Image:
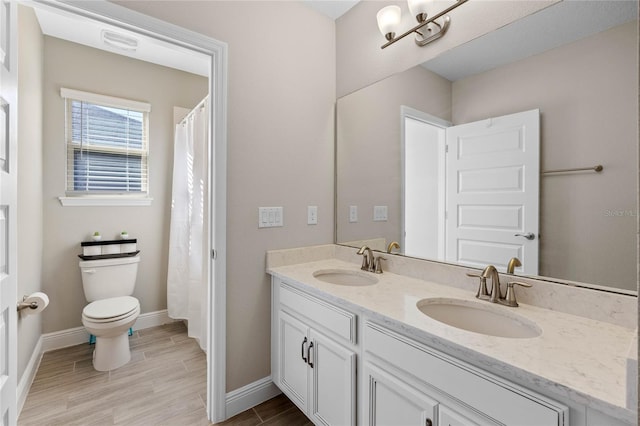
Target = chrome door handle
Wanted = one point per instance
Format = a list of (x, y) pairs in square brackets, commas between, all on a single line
[(304, 342), (309, 354), (528, 235)]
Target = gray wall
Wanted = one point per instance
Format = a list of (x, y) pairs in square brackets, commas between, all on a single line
[(587, 95), (30, 160), (78, 67), (280, 148), (369, 148)]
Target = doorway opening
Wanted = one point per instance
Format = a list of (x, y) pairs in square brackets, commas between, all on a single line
[(213, 55)]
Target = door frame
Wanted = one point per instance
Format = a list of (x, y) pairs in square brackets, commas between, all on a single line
[(414, 114), (113, 14)]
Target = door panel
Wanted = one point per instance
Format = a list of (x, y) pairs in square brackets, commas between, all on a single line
[(493, 176)]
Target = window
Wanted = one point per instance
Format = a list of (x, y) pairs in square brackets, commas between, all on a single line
[(107, 145)]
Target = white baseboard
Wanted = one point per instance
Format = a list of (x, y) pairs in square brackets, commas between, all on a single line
[(153, 319), (75, 336), (29, 374), (250, 395)]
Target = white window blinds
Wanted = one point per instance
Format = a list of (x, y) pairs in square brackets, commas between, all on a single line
[(107, 144)]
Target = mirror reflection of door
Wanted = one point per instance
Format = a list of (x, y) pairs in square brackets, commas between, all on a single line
[(486, 186), (423, 209), (493, 180)]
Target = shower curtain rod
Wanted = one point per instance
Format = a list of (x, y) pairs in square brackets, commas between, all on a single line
[(199, 105)]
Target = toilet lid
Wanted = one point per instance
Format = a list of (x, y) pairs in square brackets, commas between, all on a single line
[(110, 308)]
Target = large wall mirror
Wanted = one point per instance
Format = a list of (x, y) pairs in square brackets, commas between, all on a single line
[(575, 65)]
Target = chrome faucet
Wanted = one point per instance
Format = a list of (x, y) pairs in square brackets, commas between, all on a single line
[(392, 245), (513, 263), (368, 260), (495, 295), (491, 272), (370, 263)]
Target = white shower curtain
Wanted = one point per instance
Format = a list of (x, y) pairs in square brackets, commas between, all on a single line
[(187, 269)]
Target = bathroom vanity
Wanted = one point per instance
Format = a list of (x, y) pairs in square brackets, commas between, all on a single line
[(352, 347)]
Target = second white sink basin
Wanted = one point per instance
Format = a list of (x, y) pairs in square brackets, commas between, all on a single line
[(345, 277), (479, 317)]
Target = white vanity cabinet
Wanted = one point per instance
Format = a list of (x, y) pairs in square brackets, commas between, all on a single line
[(392, 402), (410, 381), (311, 359)]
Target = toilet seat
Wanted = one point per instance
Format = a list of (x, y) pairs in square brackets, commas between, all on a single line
[(111, 309)]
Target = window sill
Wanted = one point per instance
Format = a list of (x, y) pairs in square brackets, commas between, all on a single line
[(104, 201)]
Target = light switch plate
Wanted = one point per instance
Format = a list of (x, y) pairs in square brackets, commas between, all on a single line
[(312, 215), (380, 213), (353, 214), (270, 217)]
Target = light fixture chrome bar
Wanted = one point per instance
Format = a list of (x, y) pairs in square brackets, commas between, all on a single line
[(422, 24), (597, 168), (442, 30)]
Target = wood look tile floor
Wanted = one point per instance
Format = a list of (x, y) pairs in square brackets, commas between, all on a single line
[(163, 384)]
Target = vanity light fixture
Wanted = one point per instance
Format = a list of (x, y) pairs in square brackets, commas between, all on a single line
[(427, 30), (119, 41)]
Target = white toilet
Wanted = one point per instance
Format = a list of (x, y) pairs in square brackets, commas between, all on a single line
[(108, 285)]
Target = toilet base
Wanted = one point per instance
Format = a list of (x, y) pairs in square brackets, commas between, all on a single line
[(92, 338), (111, 352)]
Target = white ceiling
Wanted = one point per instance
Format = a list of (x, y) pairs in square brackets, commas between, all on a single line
[(332, 8), (84, 31), (559, 24)]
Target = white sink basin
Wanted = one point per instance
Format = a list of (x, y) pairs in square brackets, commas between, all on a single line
[(345, 277), (479, 317)]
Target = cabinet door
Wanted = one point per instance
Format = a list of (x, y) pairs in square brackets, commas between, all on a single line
[(334, 382), (394, 403), (293, 348), (448, 416)]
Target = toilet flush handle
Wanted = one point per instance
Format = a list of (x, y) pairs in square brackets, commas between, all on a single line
[(90, 271)]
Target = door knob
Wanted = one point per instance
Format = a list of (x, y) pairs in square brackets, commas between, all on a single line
[(528, 235)]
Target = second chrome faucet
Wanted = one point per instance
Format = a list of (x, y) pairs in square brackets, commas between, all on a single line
[(495, 295)]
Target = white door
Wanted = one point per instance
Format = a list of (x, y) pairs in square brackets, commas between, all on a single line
[(493, 174), (294, 352), (394, 403), (333, 397), (8, 214)]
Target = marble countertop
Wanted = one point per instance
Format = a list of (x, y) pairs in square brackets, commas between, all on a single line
[(577, 358)]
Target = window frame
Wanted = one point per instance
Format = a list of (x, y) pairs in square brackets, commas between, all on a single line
[(96, 198)]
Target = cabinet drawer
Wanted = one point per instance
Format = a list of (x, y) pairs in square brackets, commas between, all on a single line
[(334, 320), (500, 400)]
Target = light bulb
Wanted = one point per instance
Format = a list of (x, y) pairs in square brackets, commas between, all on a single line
[(388, 20), (418, 9)]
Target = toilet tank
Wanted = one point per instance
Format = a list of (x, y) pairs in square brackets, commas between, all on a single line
[(105, 278)]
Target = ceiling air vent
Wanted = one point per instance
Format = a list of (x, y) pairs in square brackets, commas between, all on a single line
[(119, 41)]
